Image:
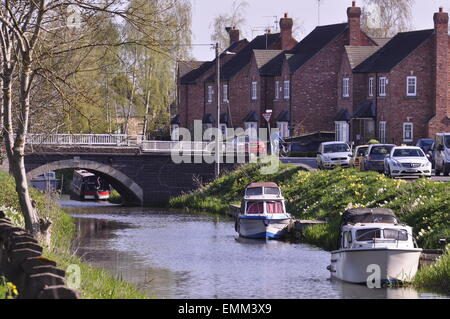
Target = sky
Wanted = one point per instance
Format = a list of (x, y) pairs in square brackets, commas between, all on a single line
[(261, 13)]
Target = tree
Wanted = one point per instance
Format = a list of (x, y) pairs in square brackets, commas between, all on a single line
[(385, 18), (52, 45), (234, 19)]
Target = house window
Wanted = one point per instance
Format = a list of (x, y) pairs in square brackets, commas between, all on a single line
[(287, 90), (277, 90), (225, 93), (175, 132), (382, 90), (346, 87), (411, 86), (283, 128), (408, 132), (251, 129), (382, 131), (254, 90), (342, 131), (371, 82), (210, 94)]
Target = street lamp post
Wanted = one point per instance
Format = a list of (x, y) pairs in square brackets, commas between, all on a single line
[(218, 135)]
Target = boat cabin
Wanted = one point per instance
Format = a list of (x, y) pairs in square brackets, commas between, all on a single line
[(263, 198), (373, 228)]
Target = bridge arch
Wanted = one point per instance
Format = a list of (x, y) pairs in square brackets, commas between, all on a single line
[(130, 191)]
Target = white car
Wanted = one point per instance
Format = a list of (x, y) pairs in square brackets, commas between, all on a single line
[(333, 154), (407, 161)]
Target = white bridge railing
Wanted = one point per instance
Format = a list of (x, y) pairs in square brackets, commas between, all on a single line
[(78, 139), (136, 141)]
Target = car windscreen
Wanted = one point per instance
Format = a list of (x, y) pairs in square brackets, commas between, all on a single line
[(368, 234), (447, 141), (361, 151), (404, 152), (336, 148), (380, 150), (426, 142), (401, 234)]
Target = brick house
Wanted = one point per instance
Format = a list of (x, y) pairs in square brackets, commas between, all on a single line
[(398, 92), (336, 79)]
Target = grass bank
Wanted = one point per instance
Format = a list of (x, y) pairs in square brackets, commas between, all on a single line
[(95, 283), (324, 195)]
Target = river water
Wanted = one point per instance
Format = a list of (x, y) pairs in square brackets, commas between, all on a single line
[(176, 255)]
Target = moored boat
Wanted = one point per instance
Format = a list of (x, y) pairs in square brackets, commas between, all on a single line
[(263, 213), (374, 246)]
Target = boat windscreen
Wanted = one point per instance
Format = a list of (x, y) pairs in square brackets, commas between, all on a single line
[(368, 234), (401, 234), (254, 191), (274, 207), (255, 207), (271, 191)]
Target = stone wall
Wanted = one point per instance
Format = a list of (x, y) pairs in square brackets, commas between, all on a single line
[(21, 262)]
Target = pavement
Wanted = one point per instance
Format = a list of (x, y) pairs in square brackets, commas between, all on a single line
[(311, 163)]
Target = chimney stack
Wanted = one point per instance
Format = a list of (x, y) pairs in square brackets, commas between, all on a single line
[(286, 24), (354, 24), (234, 34), (442, 107)]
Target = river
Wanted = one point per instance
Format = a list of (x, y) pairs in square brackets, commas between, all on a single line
[(176, 255)]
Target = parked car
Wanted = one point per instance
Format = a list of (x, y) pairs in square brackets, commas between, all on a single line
[(248, 144), (407, 161), (426, 144), (374, 159), (358, 155), (333, 154), (442, 154)]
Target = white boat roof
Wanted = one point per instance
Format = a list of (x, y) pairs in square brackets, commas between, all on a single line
[(265, 197), (375, 225)]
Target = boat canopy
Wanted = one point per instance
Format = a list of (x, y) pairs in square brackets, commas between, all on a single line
[(369, 215), (256, 189)]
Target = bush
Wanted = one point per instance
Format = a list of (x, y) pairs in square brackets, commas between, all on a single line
[(435, 276)]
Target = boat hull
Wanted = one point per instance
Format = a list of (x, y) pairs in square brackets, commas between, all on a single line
[(262, 227), (356, 265)]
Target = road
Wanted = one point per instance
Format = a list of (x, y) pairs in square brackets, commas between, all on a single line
[(311, 162)]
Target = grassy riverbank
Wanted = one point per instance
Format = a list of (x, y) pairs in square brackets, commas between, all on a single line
[(324, 195), (95, 283)]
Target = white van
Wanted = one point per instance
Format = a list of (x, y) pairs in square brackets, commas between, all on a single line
[(442, 154)]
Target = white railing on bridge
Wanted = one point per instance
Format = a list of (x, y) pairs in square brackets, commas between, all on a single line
[(124, 140), (79, 139)]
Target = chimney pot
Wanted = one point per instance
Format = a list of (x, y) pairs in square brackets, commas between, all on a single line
[(353, 3), (234, 34), (286, 25), (441, 9)]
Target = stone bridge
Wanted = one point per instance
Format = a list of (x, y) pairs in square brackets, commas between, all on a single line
[(141, 178)]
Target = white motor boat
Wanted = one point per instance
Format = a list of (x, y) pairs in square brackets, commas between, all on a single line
[(263, 212), (374, 247)]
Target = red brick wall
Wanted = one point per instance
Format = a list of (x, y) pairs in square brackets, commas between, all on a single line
[(397, 108), (441, 122), (314, 89)]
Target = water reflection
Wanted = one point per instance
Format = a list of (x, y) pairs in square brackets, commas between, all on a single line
[(171, 255)]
